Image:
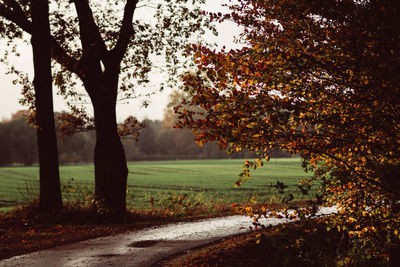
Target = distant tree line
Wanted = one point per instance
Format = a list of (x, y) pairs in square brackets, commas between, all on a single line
[(19, 145), (156, 142)]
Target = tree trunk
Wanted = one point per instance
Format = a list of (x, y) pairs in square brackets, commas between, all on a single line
[(111, 170), (50, 193)]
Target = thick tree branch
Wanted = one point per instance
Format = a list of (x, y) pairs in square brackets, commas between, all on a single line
[(62, 58), (13, 12), (126, 31), (92, 42)]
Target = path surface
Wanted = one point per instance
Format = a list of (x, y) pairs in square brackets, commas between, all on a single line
[(141, 248)]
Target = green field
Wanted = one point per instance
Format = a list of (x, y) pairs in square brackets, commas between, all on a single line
[(205, 180)]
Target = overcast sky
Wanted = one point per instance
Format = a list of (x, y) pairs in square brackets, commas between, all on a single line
[(9, 93)]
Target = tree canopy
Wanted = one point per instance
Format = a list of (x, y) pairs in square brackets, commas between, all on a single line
[(110, 32), (317, 78), (102, 46)]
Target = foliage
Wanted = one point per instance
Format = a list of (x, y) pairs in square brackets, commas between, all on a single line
[(120, 35), (316, 78)]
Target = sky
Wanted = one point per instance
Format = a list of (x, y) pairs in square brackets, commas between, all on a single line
[(10, 94)]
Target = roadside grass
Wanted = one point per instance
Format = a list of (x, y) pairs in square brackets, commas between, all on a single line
[(152, 185)]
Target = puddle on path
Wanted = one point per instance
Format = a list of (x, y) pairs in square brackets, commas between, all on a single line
[(108, 255), (143, 244)]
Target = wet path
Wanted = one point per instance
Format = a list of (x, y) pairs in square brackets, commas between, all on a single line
[(142, 248)]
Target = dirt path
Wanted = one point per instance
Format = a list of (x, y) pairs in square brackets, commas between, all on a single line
[(141, 248)]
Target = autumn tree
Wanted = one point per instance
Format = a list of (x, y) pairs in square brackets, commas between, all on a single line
[(320, 78), (100, 45), (183, 138)]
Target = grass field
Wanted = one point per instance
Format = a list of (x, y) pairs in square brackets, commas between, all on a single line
[(206, 181)]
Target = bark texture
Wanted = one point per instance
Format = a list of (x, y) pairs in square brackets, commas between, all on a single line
[(111, 170), (50, 193), (110, 166)]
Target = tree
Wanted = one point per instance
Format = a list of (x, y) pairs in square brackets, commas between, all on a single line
[(146, 143), (107, 55), (49, 176), (18, 141), (183, 141), (77, 148), (317, 78)]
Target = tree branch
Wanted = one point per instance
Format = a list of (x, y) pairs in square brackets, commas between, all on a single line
[(126, 31), (13, 12), (92, 42), (62, 58)]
